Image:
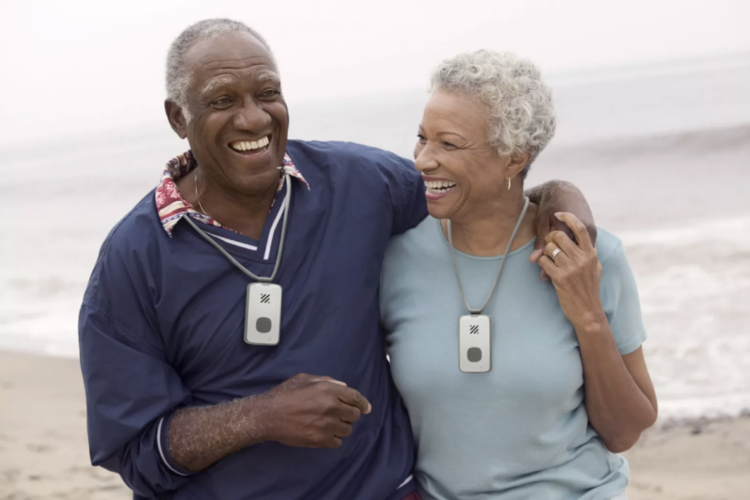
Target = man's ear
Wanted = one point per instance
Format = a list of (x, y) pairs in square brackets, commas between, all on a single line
[(517, 163), (176, 118)]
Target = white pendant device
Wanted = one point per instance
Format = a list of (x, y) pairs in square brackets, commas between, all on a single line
[(263, 298), (263, 314), (474, 330), (474, 344)]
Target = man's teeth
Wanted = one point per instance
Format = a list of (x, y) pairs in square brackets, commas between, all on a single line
[(440, 186), (250, 145)]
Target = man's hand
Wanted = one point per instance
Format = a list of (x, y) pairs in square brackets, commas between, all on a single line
[(554, 197), (313, 412)]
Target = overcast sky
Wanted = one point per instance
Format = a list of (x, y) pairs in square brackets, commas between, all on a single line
[(68, 67)]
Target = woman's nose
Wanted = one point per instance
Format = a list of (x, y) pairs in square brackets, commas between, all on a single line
[(424, 158)]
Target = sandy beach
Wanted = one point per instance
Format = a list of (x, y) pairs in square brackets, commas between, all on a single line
[(43, 446), (43, 450)]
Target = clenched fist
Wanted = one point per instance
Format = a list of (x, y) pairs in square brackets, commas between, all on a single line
[(312, 411)]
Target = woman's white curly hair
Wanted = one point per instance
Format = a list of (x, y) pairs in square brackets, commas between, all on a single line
[(522, 115)]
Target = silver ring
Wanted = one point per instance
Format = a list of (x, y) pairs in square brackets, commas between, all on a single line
[(555, 253)]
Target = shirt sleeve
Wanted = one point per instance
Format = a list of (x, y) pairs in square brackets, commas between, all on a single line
[(131, 389), (407, 192), (619, 294)]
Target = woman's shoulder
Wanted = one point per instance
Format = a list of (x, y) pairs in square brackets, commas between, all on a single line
[(608, 245), (616, 270), (415, 245), (425, 234)]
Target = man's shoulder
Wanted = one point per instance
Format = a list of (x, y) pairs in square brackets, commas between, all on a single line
[(139, 226), (126, 251), (345, 154), (340, 148)]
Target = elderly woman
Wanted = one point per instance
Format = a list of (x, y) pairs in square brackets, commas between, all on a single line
[(517, 388)]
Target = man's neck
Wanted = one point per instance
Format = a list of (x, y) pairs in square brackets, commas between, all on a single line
[(244, 214), (487, 234)]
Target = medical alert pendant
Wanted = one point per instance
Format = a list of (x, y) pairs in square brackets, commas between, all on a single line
[(263, 314), (475, 355)]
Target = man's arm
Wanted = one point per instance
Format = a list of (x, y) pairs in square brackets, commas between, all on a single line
[(305, 411)]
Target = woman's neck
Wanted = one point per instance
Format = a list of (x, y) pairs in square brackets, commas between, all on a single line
[(487, 234)]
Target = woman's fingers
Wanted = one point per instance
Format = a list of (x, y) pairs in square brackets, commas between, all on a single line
[(579, 230), (555, 253), (563, 241), (548, 267), (536, 254)]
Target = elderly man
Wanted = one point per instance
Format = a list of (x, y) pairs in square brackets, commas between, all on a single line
[(196, 369)]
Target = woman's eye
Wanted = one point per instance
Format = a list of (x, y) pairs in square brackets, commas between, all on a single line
[(448, 144), (421, 138)]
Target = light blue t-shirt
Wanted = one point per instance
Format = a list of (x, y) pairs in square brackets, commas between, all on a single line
[(520, 431)]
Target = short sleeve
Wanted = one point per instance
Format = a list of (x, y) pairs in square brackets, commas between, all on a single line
[(407, 192), (619, 295)]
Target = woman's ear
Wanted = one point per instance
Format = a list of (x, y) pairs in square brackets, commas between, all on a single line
[(517, 163)]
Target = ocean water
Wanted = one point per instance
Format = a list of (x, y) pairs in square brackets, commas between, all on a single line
[(662, 154)]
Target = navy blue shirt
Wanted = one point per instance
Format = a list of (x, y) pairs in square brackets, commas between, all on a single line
[(161, 327)]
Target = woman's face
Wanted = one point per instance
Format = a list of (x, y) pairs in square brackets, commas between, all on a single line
[(463, 173)]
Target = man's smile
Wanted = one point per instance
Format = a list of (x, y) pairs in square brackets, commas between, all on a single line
[(251, 148)]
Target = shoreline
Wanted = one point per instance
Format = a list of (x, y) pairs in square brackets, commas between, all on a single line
[(44, 452)]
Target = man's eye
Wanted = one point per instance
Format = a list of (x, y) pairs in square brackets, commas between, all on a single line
[(270, 93), (448, 144), (222, 101), (421, 138)]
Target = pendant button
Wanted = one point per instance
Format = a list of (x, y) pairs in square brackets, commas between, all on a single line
[(263, 325), (474, 355)]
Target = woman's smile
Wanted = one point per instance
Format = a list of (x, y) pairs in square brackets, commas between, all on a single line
[(438, 188)]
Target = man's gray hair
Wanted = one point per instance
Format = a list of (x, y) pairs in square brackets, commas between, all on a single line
[(522, 115), (178, 78)]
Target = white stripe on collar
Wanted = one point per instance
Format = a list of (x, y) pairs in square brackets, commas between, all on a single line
[(235, 243), (271, 234)]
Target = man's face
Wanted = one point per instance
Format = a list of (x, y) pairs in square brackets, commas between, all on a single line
[(239, 120)]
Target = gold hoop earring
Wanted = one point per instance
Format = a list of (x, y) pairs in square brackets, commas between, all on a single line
[(508, 183)]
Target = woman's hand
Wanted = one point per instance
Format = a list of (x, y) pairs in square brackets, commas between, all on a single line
[(575, 272)]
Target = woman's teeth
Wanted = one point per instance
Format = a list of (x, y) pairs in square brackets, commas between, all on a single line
[(250, 145), (439, 186)]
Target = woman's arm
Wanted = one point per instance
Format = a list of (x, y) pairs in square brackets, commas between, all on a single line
[(620, 398)]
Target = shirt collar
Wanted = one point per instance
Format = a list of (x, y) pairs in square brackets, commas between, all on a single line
[(172, 207)]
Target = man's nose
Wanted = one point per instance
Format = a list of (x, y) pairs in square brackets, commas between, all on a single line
[(251, 117)]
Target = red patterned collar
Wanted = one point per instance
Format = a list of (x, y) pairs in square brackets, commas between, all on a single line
[(172, 206)]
